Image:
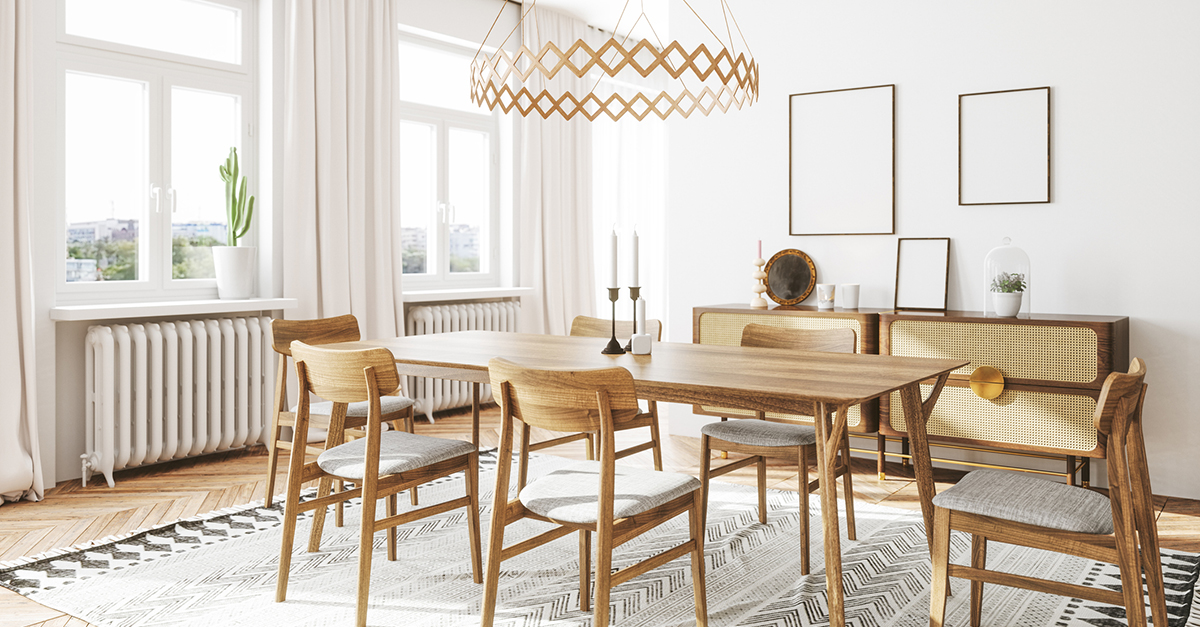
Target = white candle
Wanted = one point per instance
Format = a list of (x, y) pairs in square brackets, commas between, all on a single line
[(634, 280), (613, 281), (641, 315)]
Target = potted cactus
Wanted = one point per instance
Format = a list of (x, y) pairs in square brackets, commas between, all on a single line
[(234, 264)]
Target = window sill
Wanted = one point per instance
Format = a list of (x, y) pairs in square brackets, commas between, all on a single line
[(470, 293), (114, 311)]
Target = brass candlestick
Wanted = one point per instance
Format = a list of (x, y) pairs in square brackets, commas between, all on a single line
[(634, 292), (614, 347)]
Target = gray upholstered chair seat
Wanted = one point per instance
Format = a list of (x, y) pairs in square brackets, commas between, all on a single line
[(1025, 499), (570, 494), (387, 404), (398, 451), (760, 433)]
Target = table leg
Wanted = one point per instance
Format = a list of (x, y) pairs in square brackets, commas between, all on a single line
[(828, 444), (475, 414), (915, 414)]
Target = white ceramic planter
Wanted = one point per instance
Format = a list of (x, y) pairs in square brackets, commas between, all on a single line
[(235, 271), (1008, 305)]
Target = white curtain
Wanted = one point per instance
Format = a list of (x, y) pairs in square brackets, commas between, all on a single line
[(340, 203), (555, 195), (630, 191), (20, 463)]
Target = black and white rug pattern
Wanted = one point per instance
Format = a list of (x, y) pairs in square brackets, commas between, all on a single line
[(220, 569)]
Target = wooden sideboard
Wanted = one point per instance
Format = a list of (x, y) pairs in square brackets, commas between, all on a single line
[(1053, 368)]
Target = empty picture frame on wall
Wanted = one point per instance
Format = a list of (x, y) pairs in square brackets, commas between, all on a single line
[(922, 273), (1004, 147), (842, 162)]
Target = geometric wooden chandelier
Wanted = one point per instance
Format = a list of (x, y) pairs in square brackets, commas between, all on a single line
[(735, 78)]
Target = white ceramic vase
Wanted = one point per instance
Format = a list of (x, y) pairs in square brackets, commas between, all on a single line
[(235, 271), (1008, 305)]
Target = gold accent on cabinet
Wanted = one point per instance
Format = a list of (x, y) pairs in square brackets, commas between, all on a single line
[(987, 382)]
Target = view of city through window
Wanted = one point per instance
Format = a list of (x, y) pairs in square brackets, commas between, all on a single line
[(464, 248), (106, 250)]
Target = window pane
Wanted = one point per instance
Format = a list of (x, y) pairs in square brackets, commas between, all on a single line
[(204, 126), (470, 195), (418, 196), (436, 77), (106, 176), (187, 27)]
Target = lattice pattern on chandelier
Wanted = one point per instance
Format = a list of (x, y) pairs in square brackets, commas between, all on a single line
[(739, 78)]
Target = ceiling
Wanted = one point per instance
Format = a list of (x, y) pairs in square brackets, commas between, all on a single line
[(603, 14)]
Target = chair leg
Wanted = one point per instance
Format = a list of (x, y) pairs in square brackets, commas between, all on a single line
[(600, 609), (473, 516), (272, 463), (590, 443), (410, 425), (318, 522), (696, 518), (585, 570), (978, 560), (847, 485), (940, 555), (338, 516), (762, 489), (290, 512), (705, 470), (657, 450), (802, 467), (366, 543), (491, 580), (391, 531)]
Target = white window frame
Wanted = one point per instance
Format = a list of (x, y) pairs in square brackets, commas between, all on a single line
[(161, 71), (443, 119)]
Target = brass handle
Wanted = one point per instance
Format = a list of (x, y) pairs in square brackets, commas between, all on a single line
[(987, 382)]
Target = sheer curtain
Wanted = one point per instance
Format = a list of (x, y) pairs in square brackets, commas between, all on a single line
[(342, 239), (555, 198), (630, 192), (20, 464)]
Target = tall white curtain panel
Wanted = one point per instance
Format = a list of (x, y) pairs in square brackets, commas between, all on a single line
[(20, 466), (555, 198), (341, 131)]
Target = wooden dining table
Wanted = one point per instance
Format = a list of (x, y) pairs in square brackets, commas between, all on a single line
[(823, 385)]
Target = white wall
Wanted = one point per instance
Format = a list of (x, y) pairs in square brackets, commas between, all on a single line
[(1119, 237)]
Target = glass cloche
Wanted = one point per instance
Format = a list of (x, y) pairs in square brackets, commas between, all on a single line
[(1006, 281)]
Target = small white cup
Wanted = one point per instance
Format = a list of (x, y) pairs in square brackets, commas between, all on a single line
[(825, 295), (848, 295)]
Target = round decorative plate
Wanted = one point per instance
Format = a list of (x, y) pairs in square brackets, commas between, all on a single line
[(791, 276)]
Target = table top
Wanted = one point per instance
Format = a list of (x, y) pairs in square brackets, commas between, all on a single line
[(754, 378)]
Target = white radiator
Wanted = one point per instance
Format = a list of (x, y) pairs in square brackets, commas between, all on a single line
[(436, 394), (165, 390)]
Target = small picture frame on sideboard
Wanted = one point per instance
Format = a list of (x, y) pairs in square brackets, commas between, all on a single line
[(922, 273)]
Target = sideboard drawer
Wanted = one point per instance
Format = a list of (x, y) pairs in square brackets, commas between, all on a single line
[(1020, 351), (1018, 419)]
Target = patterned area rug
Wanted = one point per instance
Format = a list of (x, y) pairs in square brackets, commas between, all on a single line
[(219, 569)]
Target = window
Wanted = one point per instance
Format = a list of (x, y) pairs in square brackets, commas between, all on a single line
[(449, 173), (146, 120)]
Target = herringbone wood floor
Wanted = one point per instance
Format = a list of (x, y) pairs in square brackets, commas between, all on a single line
[(144, 497)]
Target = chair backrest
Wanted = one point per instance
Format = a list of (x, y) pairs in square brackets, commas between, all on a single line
[(563, 400), (345, 376), (816, 340), (313, 332), (1119, 407), (586, 326)]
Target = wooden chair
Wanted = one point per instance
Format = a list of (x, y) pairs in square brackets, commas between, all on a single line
[(397, 410), (584, 326), (778, 437), (617, 503), (1016, 508), (381, 464)]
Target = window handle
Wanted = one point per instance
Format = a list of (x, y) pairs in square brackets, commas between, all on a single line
[(171, 196), (156, 196)]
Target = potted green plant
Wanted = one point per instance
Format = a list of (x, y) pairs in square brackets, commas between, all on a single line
[(1007, 290), (234, 264)]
